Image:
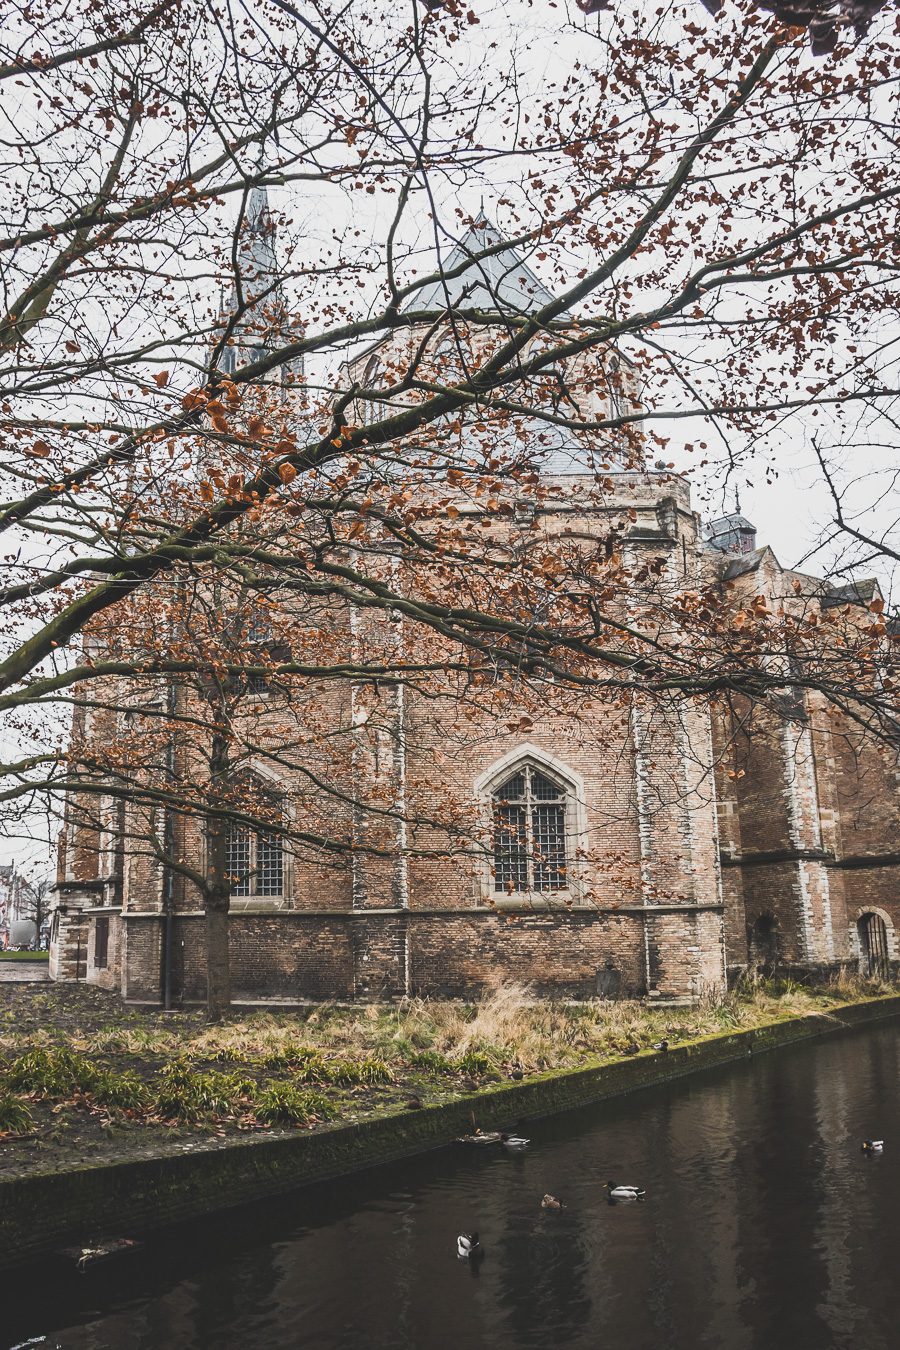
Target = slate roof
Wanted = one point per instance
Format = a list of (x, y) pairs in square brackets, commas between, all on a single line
[(725, 524), (503, 281), (861, 592), (743, 563)]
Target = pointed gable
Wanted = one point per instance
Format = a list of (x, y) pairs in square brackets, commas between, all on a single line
[(502, 281)]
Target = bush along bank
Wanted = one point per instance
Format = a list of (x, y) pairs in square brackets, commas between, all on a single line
[(42, 1212)]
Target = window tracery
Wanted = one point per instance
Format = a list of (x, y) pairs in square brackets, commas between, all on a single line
[(529, 843)]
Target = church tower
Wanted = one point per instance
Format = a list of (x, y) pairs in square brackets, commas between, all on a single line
[(256, 318)]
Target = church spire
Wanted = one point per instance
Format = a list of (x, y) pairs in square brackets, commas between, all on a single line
[(256, 305)]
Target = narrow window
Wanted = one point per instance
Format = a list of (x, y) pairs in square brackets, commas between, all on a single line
[(269, 865), (101, 943), (874, 946), (529, 834), (257, 684), (259, 635), (238, 860)]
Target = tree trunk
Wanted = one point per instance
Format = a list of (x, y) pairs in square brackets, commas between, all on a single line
[(218, 968)]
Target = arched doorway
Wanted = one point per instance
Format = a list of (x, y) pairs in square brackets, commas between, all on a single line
[(873, 945), (764, 944)]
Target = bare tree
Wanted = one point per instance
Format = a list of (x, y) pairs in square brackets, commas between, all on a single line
[(254, 329)]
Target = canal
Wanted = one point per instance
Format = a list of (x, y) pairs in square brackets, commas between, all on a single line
[(765, 1227)]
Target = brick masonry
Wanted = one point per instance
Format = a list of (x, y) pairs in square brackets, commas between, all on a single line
[(701, 840)]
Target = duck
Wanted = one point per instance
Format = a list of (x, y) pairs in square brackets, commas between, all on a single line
[(617, 1192), (550, 1202), (480, 1137), (873, 1146), (467, 1245), (514, 1143), (632, 1048), (661, 1046)]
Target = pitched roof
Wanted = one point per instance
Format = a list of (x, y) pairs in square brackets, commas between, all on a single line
[(861, 592), (502, 281), (744, 562), (725, 533), (724, 524)]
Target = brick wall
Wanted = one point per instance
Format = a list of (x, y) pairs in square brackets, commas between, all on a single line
[(646, 904)]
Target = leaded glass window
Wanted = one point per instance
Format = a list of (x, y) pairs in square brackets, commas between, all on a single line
[(529, 833), (238, 860), (254, 861), (269, 865)]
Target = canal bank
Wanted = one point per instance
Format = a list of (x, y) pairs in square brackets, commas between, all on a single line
[(42, 1212)]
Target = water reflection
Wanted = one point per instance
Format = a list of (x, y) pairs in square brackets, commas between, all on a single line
[(764, 1227)]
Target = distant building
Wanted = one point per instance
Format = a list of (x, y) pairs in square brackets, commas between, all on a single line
[(6, 877), (15, 899)]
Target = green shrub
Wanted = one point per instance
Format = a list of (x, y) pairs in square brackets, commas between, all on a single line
[(350, 1072), (314, 1068), (399, 1047), (279, 1103), (120, 1091), (15, 1116), (231, 1054), (476, 1063), (433, 1062), (55, 1072), (291, 1056), (184, 1095)]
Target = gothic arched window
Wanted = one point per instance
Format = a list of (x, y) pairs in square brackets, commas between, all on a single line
[(529, 812)]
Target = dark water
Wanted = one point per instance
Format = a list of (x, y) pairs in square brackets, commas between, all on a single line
[(764, 1227)]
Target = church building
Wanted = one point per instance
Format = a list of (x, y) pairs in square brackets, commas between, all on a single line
[(631, 851)]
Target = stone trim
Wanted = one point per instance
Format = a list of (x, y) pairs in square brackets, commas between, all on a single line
[(70, 884), (473, 911), (780, 855), (866, 860), (767, 857)]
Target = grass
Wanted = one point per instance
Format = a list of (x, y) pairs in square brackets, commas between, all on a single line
[(24, 956), (15, 1117), (298, 1069)]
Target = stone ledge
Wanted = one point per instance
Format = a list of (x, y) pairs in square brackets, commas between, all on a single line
[(42, 1213), (475, 911)]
